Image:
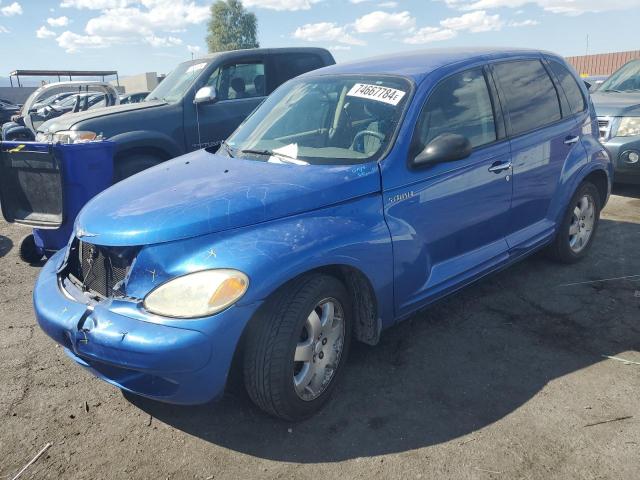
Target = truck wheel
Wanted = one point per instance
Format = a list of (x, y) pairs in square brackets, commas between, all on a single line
[(129, 165), (578, 227), (297, 346), (28, 251)]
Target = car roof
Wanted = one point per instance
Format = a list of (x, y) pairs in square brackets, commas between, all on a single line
[(417, 64)]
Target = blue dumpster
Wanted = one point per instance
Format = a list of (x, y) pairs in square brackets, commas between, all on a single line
[(45, 185)]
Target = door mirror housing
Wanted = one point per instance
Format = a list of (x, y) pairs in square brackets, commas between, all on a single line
[(446, 147), (205, 95)]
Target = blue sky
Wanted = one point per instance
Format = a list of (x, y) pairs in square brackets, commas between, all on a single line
[(134, 36)]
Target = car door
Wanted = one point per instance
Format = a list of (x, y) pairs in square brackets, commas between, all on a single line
[(448, 221), (541, 140), (240, 87)]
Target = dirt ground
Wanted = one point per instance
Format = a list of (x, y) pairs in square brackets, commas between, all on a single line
[(505, 380)]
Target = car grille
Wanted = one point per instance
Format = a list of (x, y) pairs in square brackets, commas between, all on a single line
[(100, 270), (604, 128)]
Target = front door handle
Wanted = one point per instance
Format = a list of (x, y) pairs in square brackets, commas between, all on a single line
[(571, 139), (500, 167)]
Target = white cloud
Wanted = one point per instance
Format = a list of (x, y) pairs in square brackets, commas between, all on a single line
[(10, 10), (379, 21), (73, 42), (154, 22), (95, 4), (162, 41), (290, 5), (430, 34), (388, 4), (58, 22), (474, 22), (566, 7), (524, 23), (325, 32), (338, 48), (44, 32), (195, 49), (4, 29)]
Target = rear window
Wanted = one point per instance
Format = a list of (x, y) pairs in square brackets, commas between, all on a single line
[(531, 98), (290, 66), (570, 87)]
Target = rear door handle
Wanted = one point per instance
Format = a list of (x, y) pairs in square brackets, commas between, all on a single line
[(570, 140), (500, 167)]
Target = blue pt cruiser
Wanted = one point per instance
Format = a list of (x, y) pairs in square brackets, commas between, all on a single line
[(353, 196)]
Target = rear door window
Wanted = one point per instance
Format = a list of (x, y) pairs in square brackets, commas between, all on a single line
[(459, 104), (571, 89), (530, 95), (239, 80)]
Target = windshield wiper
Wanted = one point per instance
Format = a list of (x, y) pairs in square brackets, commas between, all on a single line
[(228, 148), (611, 90), (271, 153)]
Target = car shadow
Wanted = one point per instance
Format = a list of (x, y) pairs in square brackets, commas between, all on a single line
[(5, 245), (626, 190), (450, 370)]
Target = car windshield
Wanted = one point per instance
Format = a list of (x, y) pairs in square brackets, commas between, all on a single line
[(174, 86), (626, 79), (341, 119)]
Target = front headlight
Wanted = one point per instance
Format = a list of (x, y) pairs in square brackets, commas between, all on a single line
[(629, 127), (67, 136), (198, 294)]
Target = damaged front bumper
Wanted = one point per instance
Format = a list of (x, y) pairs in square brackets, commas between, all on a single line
[(175, 361)]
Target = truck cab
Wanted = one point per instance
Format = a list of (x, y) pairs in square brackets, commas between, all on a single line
[(199, 104)]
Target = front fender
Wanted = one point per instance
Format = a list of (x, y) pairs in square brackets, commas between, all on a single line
[(147, 139), (351, 234)]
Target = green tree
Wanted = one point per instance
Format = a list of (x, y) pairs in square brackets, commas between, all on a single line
[(231, 27)]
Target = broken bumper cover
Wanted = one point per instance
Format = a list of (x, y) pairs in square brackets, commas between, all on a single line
[(165, 362)]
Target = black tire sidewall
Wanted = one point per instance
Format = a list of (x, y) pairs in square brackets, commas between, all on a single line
[(332, 288), (28, 251), (129, 165)]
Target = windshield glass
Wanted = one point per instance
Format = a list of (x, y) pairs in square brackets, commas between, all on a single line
[(627, 79), (174, 86), (324, 120)]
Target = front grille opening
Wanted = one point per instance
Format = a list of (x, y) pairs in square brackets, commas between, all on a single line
[(100, 270)]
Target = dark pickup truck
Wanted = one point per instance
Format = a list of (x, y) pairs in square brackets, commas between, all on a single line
[(197, 105)]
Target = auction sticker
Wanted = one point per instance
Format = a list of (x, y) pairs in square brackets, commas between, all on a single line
[(376, 92)]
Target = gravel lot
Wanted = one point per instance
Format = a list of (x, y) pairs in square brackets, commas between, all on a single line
[(501, 381)]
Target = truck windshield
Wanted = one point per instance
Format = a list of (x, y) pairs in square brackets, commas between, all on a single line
[(626, 79), (174, 86), (337, 119)]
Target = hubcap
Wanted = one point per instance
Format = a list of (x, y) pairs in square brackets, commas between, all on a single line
[(582, 222), (318, 352)]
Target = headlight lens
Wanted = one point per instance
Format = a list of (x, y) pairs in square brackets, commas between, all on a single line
[(629, 127), (198, 294), (67, 136)]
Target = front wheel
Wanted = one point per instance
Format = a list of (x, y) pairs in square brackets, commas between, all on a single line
[(296, 348), (579, 224)]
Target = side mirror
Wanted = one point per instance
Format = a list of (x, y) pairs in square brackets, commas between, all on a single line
[(588, 85), (446, 147), (205, 95)]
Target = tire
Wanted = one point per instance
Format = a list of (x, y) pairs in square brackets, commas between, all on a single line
[(279, 385), (569, 246), (129, 165), (28, 251)]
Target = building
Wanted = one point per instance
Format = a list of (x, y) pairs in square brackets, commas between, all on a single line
[(143, 82), (601, 64)]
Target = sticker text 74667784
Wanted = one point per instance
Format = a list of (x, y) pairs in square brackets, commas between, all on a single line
[(388, 95)]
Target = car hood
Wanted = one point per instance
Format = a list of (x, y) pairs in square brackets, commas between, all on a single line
[(67, 121), (613, 104), (203, 193)]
